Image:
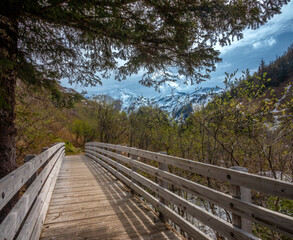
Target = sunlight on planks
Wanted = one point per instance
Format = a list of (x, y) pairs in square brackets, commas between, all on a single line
[(89, 203)]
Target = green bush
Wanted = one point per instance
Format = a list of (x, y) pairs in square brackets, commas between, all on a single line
[(69, 148)]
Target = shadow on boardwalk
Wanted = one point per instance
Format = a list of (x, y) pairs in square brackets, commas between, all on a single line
[(90, 203)]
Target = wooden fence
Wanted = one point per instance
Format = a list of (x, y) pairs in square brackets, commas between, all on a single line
[(128, 168), (38, 176)]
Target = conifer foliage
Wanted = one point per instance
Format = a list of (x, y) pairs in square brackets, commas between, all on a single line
[(45, 40)]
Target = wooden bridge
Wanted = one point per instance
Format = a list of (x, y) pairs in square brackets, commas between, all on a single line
[(117, 192)]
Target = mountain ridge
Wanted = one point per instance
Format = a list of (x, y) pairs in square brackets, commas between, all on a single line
[(173, 103)]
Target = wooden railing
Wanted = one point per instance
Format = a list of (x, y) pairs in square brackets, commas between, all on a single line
[(133, 173), (38, 176)]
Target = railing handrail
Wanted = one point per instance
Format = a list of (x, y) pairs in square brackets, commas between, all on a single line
[(234, 205), (30, 208), (263, 184), (12, 182), (268, 218)]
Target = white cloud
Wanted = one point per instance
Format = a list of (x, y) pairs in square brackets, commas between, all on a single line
[(271, 42), (264, 43), (253, 38), (223, 65)]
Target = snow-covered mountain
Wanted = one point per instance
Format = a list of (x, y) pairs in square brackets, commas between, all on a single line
[(176, 103)]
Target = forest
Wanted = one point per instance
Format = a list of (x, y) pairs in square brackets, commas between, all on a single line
[(248, 124)]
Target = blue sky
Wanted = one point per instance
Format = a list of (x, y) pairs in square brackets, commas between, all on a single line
[(267, 42)]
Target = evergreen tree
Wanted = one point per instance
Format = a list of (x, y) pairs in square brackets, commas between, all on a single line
[(261, 68), (45, 40)]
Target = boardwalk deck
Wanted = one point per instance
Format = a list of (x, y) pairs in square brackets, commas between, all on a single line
[(89, 203)]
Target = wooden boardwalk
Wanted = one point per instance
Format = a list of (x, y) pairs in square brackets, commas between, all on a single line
[(89, 203)]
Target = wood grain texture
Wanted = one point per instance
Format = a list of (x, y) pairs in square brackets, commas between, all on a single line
[(183, 223), (41, 218), (90, 203), (10, 184), (203, 216), (33, 223), (13, 221), (260, 183), (271, 219)]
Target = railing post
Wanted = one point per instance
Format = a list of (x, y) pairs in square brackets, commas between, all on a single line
[(27, 158), (118, 161), (133, 168), (164, 184), (245, 195)]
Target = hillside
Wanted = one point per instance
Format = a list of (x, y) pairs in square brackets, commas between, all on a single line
[(43, 116), (268, 92)]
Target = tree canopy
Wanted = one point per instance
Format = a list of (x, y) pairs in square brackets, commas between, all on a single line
[(76, 39)]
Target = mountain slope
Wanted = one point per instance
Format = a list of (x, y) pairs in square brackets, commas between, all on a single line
[(172, 103)]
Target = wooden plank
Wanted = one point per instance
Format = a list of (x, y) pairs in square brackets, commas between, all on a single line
[(163, 235), (85, 205), (205, 217), (113, 213), (77, 200), (273, 220), (13, 220), (38, 209), (260, 183), (110, 227), (79, 194), (10, 184), (78, 185), (74, 218), (93, 194), (99, 213), (74, 190), (184, 224)]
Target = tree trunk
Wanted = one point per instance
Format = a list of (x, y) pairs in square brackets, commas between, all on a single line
[(8, 75), (8, 63)]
